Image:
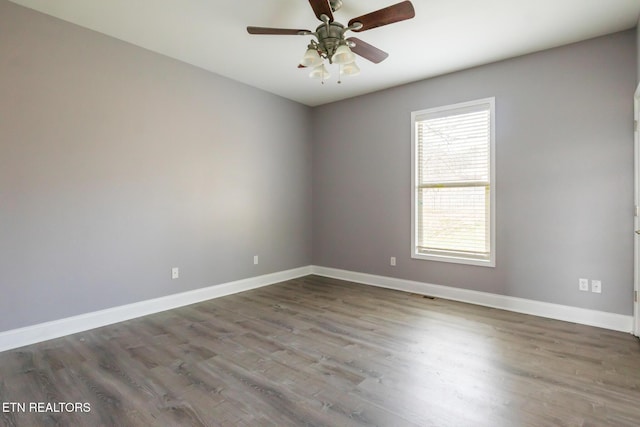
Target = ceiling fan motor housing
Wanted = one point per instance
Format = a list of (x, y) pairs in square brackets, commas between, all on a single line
[(329, 38)]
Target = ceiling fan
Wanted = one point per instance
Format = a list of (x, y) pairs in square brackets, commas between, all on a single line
[(331, 44)]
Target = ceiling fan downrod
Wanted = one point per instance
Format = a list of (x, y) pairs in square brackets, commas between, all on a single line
[(335, 4)]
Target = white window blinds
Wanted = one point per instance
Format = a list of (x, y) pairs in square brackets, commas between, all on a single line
[(452, 175)]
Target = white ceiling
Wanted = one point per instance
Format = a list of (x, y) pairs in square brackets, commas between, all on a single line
[(445, 36)]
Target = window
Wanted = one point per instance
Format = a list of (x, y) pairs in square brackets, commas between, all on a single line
[(453, 215)]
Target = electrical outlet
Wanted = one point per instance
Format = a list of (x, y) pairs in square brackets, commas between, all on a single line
[(583, 285), (175, 273), (392, 261), (255, 259), (596, 286)]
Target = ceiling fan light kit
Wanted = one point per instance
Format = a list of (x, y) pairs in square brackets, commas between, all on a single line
[(331, 44)]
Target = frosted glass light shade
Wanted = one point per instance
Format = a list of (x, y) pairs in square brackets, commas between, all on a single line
[(320, 72), (343, 55), (350, 69), (311, 58)]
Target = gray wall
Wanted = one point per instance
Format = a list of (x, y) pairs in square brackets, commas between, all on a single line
[(564, 176), (117, 164)]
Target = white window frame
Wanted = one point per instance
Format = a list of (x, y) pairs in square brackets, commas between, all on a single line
[(443, 256)]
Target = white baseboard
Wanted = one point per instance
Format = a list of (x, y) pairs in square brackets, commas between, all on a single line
[(601, 319), (58, 328), (45, 331)]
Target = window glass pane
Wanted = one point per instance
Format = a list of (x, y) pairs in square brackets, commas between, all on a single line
[(454, 219), (454, 148)]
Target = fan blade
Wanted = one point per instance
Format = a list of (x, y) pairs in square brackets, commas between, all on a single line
[(367, 51), (322, 7), (388, 15), (278, 31)]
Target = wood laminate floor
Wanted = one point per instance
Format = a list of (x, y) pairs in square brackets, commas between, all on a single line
[(318, 351)]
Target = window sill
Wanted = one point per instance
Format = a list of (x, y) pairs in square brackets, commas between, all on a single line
[(455, 259)]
